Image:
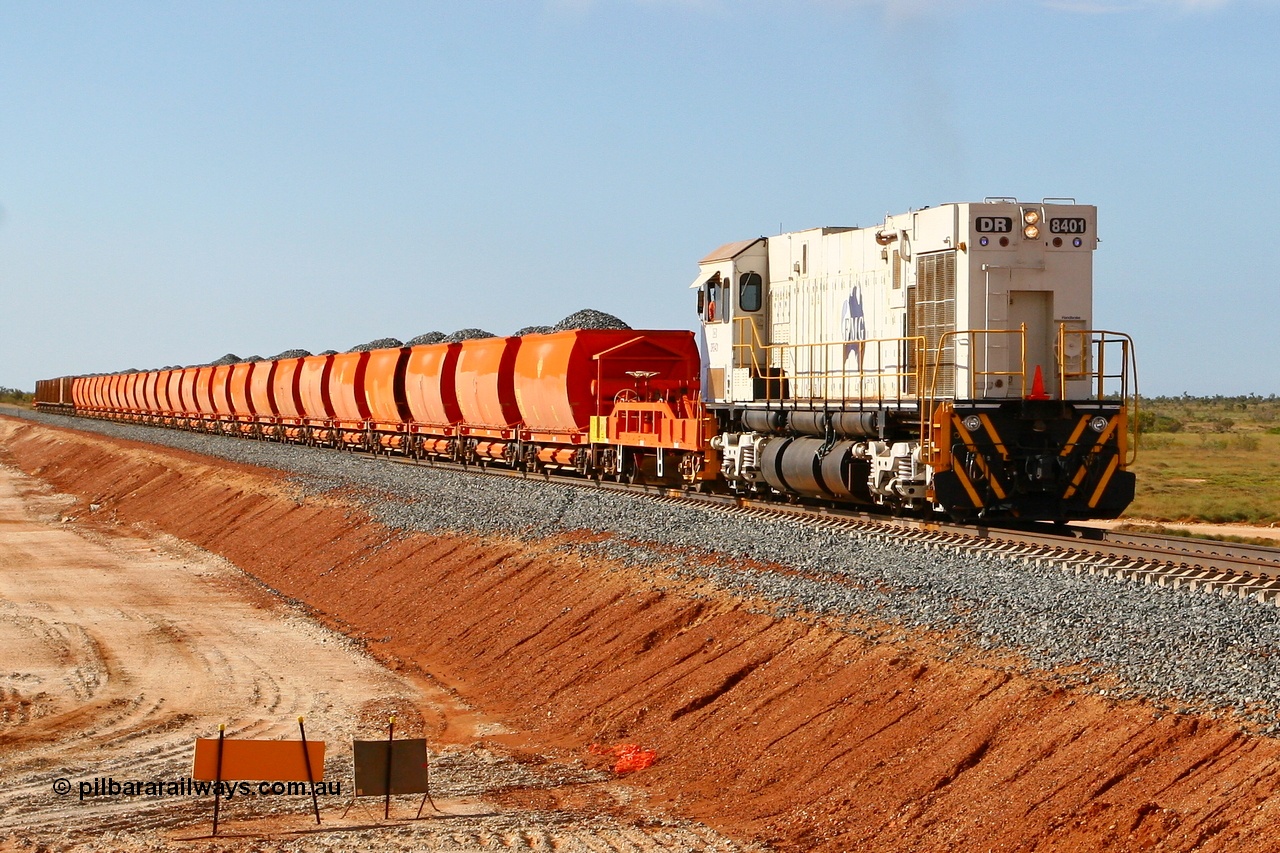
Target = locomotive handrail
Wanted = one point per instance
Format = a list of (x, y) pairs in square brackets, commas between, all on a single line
[(1094, 344), (811, 363), (970, 335), (1020, 373), (901, 363)]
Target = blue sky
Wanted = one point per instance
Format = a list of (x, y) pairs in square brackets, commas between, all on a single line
[(182, 180)]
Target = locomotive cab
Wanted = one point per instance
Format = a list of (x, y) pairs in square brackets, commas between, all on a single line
[(732, 304)]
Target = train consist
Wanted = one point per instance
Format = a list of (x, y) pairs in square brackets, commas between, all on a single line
[(943, 361)]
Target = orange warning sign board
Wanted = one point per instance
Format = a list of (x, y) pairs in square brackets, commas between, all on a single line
[(259, 760)]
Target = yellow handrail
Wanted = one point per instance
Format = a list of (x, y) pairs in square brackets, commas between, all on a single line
[(907, 366), (971, 335), (1094, 345), (901, 358)]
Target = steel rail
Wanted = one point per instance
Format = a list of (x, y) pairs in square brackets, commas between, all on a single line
[(1171, 561), (1238, 570)]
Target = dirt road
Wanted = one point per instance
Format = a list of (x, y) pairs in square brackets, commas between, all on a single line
[(119, 648)]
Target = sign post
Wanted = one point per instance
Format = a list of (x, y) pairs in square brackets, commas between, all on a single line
[(391, 739), (264, 760), (311, 780), (386, 767), (217, 784)]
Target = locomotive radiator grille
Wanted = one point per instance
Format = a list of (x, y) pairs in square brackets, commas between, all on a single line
[(931, 314)]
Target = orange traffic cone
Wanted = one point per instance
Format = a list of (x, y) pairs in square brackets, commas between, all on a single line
[(1037, 387)]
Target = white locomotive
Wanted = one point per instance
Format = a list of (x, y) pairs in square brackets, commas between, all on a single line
[(942, 360)]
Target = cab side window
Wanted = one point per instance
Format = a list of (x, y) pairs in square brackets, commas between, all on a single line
[(750, 291), (714, 312)]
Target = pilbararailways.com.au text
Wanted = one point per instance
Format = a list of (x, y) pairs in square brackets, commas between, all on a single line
[(108, 786)]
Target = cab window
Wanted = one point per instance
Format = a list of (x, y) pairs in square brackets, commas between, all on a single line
[(750, 291), (714, 312)]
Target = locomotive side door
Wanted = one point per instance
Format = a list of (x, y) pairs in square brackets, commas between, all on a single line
[(715, 301), (749, 322)]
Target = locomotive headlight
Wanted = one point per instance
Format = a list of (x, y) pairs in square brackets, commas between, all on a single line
[(1031, 226), (1098, 424), (973, 423)]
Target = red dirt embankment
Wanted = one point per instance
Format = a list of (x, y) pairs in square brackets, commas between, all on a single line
[(767, 728)]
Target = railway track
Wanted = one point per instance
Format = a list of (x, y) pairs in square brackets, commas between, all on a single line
[(1177, 562)]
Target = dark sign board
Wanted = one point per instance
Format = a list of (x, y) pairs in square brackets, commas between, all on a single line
[(408, 771)]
